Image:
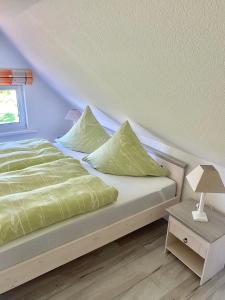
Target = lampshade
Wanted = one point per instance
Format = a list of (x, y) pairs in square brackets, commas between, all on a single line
[(205, 179), (73, 115)]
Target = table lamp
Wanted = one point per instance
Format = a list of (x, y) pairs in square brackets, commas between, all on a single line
[(204, 179), (73, 115)]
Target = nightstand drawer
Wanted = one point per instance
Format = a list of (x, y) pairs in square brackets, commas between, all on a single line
[(188, 237)]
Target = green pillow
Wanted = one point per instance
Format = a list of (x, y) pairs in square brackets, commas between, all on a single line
[(86, 135), (123, 154)]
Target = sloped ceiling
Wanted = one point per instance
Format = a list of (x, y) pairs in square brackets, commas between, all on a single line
[(158, 62)]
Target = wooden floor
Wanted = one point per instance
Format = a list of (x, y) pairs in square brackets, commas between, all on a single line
[(132, 268)]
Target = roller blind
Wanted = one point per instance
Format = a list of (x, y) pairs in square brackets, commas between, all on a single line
[(16, 76)]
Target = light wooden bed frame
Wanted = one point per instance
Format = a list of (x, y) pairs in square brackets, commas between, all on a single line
[(47, 261)]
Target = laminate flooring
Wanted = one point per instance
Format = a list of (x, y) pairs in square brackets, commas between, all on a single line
[(134, 267)]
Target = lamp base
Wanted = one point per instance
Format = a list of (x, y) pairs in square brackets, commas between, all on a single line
[(199, 216)]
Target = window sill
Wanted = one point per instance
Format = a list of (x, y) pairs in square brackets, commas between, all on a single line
[(18, 132)]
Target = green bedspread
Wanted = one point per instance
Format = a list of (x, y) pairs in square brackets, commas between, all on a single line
[(40, 186), (26, 153)]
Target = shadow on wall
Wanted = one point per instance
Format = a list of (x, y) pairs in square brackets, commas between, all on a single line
[(215, 200)]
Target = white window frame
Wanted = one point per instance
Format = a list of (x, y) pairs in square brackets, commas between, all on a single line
[(22, 124)]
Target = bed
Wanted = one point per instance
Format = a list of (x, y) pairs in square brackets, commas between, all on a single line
[(140, 202)]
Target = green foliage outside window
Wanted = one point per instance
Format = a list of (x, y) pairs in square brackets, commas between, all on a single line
[(7, 118), (8, 106)]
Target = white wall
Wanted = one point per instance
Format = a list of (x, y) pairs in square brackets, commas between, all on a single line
[(45, 108), (160, 63)]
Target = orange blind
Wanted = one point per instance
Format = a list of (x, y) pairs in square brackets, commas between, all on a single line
[(15, 77)]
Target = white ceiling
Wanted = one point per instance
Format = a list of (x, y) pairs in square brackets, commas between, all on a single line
[(158, 62)]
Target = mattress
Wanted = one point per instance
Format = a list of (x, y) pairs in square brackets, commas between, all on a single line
[(135, 195)]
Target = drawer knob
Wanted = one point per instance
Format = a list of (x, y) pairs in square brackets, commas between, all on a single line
[(185, 240)]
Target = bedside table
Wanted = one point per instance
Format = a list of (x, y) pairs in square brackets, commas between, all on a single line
[(200, 246)]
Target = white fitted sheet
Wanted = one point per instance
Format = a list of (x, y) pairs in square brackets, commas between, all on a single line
[(135, 194)]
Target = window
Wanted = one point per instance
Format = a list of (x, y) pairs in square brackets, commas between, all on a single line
[(12, 109)]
